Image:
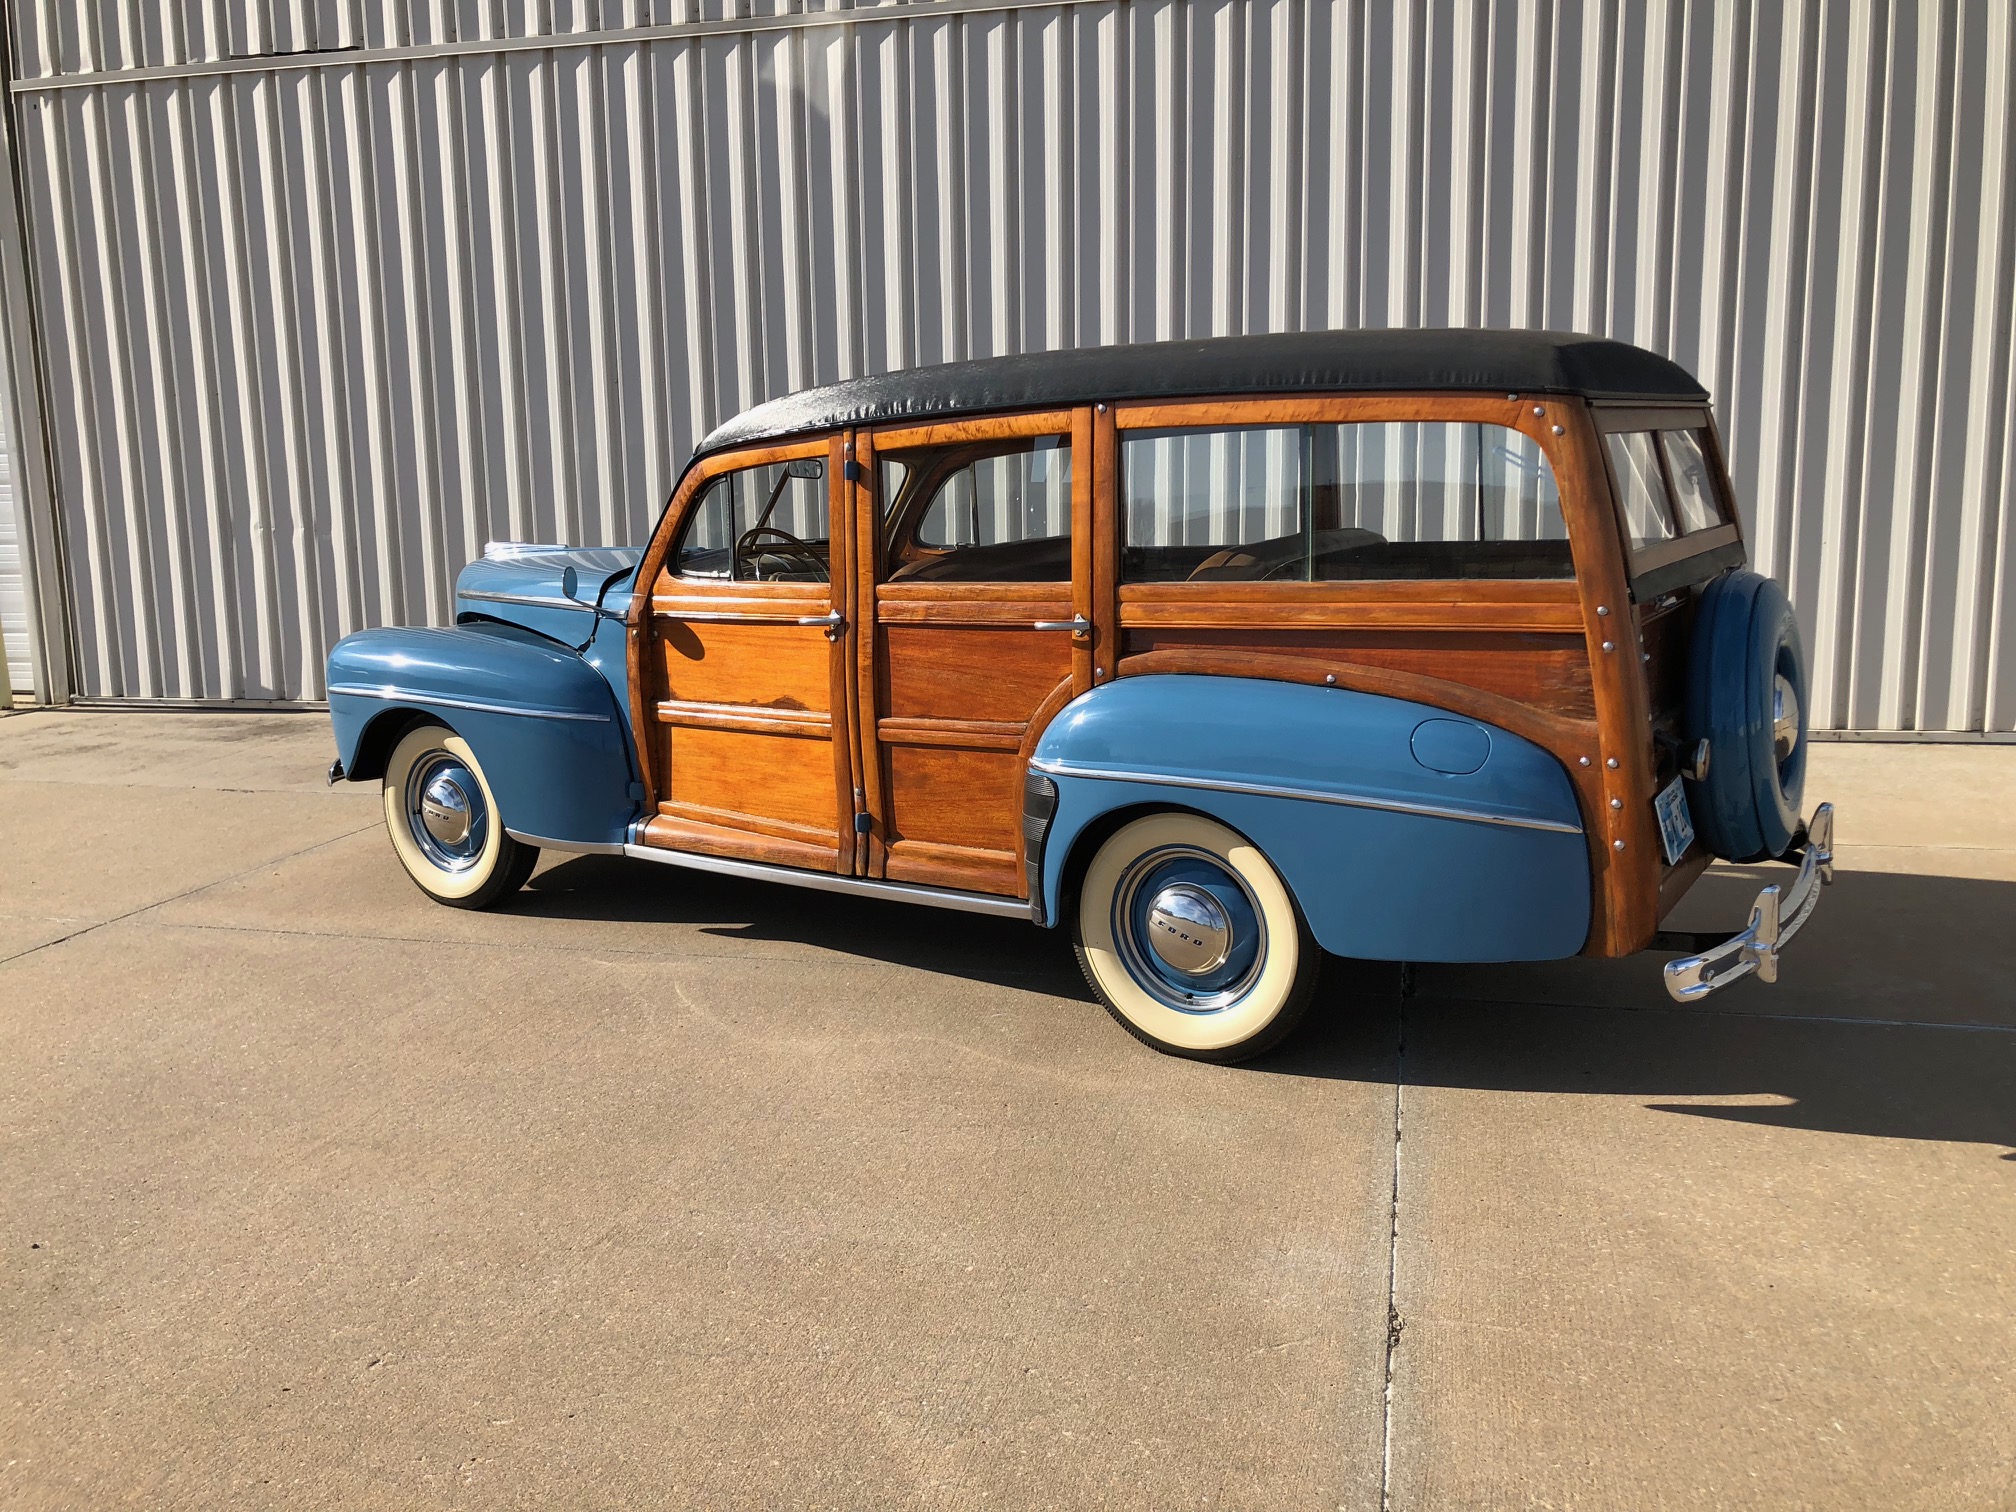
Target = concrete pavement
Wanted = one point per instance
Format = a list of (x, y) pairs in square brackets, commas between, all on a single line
[(662, 1190)]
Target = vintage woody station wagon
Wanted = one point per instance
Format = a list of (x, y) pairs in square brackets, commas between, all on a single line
[(1409, 645)]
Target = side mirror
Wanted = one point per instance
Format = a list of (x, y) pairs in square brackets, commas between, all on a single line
[(805, 467), (570, 583)]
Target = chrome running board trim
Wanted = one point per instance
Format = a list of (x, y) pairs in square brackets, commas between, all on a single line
[(582, 847), (1313, 795), (865, 887)]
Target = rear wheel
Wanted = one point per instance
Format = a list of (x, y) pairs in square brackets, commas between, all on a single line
[(444, 823), (1192, 941)]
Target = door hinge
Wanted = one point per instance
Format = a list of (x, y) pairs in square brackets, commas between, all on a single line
[(861, 824), (851, 470)]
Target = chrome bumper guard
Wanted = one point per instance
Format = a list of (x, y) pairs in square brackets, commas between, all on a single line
[(1774, 919)]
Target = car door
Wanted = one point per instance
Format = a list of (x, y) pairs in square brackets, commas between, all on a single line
[(975, 593), (741, 662)]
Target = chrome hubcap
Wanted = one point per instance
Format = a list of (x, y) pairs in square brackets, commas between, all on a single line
[(1784, 719), (1188, 929), (445, 811)]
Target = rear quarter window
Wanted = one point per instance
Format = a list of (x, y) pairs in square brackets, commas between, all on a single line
[(1695, 501), (1665, 484), (1339, 503)]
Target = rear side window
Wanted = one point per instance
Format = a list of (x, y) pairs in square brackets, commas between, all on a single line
[(985, 512), (1339, 503)]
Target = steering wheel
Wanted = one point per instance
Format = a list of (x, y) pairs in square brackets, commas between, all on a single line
[(792, 547)]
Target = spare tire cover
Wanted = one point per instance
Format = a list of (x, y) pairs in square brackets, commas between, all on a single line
[(1746, 696)]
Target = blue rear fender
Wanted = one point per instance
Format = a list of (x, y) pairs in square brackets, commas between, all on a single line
[(1405, 832), (553, 741)]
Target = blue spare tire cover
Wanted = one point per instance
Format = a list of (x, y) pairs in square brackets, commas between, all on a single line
[(1746, 696)]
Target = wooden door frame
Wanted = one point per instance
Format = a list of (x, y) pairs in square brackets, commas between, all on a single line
[(1074, 423), (748, 599)]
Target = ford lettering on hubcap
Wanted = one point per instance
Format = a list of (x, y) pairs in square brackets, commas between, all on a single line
[(1188, 929), (445, 812)]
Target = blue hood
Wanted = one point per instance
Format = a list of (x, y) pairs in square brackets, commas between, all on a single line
[(527, 585)]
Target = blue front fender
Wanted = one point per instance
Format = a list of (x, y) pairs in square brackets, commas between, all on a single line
[(1405, 832), (553, 741)]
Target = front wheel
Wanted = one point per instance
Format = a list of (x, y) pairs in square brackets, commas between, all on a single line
[(444, 822), (1192, 941)]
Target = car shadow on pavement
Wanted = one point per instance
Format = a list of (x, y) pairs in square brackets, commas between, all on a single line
[(1005, 952), (1894, 1017), (1887, 1080)]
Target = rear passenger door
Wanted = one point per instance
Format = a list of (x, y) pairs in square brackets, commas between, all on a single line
[(975, 566)]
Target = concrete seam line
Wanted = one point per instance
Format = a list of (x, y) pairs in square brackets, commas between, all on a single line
[(186, 893), (1393, 1320)]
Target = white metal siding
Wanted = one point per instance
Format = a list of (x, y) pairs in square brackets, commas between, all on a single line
[(315, 332), (13, 600)]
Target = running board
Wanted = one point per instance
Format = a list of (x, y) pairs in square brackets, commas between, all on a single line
[(863, 887)]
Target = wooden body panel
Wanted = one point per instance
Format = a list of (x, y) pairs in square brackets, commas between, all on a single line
[(745, 740), (1549, 671), (959, 703)]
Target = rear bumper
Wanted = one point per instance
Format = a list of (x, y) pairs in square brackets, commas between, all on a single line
[(1775, 918)]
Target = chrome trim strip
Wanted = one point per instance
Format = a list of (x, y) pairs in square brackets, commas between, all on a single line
[(757, 617), (1774, 920), (393, 694), (524, 598), (1314, 795), (902, 892), (582, 847)]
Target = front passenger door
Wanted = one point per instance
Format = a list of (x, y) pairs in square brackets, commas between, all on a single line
[(744, 670)]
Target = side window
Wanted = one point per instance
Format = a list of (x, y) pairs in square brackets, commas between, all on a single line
[(983, 512), (759, 524), (1694, 495), (1641, 489), (1339, 503)]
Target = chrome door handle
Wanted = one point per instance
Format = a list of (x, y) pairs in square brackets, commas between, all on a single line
[(1077, 625), (834, 622)]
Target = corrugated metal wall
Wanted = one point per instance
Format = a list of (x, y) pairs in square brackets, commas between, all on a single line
[(13, 596), (316, 328)]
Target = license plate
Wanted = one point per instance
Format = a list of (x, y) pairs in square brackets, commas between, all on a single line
[(1676, 825)]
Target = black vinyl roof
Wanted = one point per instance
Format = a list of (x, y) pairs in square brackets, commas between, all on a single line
[(1521, 362)]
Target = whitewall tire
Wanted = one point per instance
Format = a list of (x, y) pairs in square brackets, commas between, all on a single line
[(444, 822), (1191, 939)]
